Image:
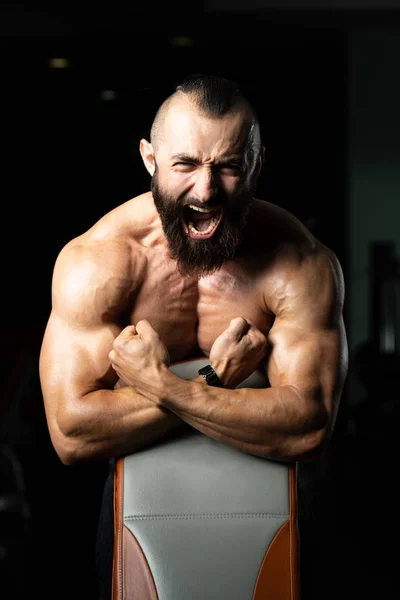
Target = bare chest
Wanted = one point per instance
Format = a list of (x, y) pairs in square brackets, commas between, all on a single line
[(189, 314)]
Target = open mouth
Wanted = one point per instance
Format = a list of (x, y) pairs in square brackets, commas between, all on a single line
[(201, 223)]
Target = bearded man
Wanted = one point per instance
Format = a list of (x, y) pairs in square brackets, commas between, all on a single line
[(197, 266)]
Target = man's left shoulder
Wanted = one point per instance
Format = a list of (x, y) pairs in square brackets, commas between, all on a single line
[(287, 239), (304, 274), (317, 265), (324, 260)]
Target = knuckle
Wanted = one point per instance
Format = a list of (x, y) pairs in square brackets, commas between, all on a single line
[(117, 343), (237, 320)]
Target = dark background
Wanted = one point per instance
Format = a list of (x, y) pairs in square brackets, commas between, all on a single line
[(70, 153)]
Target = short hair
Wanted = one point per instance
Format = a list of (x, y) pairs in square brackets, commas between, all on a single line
[(213, 95)]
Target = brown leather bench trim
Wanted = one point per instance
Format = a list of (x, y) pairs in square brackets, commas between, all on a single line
[(138, 580), (135, 582), (278, 575), (117, 571), (294, 535)]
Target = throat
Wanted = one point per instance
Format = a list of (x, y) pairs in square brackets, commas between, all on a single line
[(203, 225)]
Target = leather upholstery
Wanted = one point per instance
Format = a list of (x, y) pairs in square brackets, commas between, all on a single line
[(198, 520)]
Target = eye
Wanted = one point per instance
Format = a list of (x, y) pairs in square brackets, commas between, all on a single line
[(184, 166), (234, 170)]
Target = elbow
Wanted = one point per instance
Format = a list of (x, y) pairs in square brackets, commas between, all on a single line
[(299, 448), (70, 448), (310, 446), (67, 458), (305, 445), (311, 449), (313, 440)]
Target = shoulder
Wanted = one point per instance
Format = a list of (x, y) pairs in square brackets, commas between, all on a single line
[(97, 272), (307, 280), (277, 226), (300, 267)]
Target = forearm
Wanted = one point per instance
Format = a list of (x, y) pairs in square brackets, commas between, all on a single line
[(272, 422), (111, 423)]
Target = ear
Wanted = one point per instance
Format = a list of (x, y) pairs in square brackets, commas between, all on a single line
[(147, 154), (259, 163)]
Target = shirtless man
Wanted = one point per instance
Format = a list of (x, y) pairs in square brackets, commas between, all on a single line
[(195, 267)]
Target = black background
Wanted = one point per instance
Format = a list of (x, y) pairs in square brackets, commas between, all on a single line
[(69, 155)]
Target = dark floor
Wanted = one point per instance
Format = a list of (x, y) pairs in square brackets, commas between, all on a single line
[(349, 526)]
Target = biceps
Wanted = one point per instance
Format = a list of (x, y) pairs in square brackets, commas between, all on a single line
[(313, 362), (73, 362)]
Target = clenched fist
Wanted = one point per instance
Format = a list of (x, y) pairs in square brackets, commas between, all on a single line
[(138, 356), (238, 351)]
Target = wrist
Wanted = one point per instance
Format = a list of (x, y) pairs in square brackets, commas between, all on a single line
[(166, 381), (210, 376), (221, 369)]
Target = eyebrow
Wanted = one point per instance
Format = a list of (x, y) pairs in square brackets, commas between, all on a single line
[(230, 160)]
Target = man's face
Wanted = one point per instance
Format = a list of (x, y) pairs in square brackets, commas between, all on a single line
[(202, 188)]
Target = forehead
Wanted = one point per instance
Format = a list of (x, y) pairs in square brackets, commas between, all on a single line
[(186, 130)]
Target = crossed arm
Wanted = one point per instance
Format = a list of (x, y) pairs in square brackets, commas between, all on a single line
[(83, 356), (291, 420), (306, 366)]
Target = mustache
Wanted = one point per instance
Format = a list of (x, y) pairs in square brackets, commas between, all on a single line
[(201, 257), (217, 202)]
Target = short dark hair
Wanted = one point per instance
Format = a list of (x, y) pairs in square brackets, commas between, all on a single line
[(212, 94)]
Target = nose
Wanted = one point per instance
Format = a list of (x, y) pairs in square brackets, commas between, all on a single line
[(205, 185)]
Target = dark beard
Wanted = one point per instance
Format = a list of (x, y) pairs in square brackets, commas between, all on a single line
[(202, 257)]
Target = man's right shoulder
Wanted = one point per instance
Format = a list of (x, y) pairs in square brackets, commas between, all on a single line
[(110, 246), (96, 275), (102, 268)]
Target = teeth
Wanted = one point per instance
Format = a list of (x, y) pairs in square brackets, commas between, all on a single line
[(209, 229), (202, 210)]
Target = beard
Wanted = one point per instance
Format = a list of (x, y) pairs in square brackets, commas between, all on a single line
[(196, 257)]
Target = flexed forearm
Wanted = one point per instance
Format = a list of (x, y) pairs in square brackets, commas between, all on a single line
[(276, 422), (110, 423), (272, 422)]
